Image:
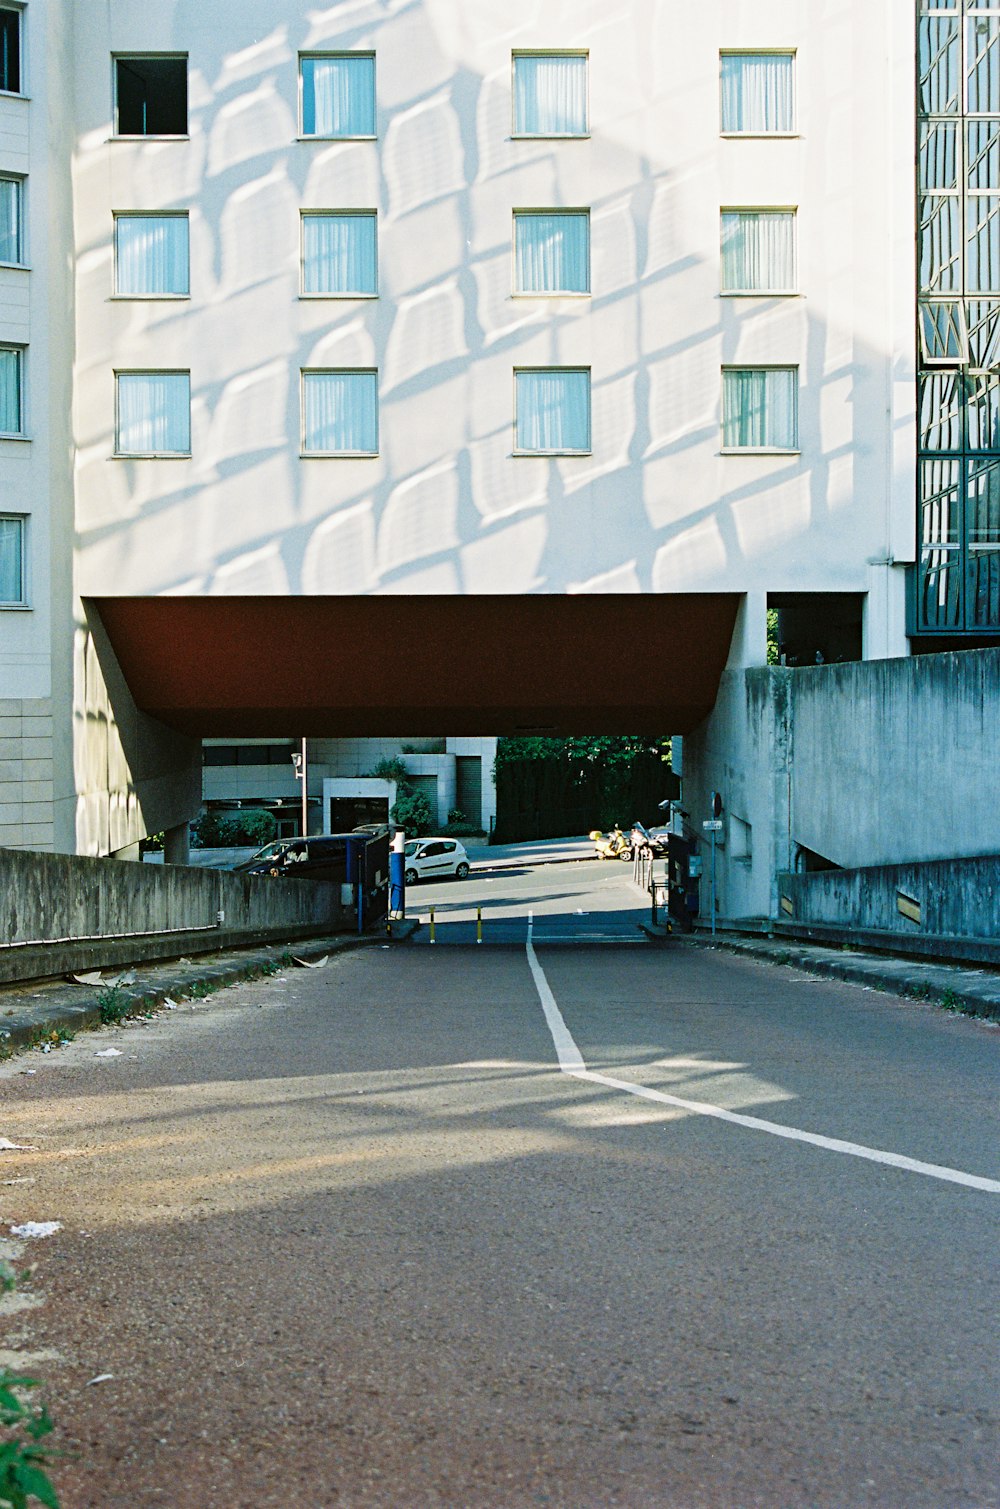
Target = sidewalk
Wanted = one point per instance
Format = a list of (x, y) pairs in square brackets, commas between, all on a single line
[(975, 992), (39, 1011)]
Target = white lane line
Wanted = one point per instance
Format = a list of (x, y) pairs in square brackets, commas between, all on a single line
[(571, 1062), (570, 1057)]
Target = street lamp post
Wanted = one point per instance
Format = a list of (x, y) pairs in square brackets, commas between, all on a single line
[(300, 763)]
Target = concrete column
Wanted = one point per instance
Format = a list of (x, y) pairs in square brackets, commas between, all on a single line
[(177, 845), (884, 627), (749, 644)]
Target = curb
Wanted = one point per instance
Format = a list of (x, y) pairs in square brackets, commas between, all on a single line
[(936, 984), (31, 1027)]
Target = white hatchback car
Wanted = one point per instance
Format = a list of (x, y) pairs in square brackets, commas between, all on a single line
[(429, 857)]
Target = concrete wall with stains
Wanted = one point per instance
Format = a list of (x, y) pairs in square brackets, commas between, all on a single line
[(882, 762)]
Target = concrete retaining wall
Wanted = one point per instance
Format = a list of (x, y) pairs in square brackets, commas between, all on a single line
[(958, 898), (62, 913), (879, 762)]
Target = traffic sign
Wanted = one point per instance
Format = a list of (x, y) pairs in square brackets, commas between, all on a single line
[(713, 825)]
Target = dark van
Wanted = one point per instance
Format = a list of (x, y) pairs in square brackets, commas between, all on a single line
[(323, 858)]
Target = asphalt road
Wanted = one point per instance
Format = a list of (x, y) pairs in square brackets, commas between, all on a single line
[(580, 901), (354, 1237)]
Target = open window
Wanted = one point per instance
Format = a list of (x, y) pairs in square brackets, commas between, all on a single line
[(151, 96), (10, 50), (815, 628)]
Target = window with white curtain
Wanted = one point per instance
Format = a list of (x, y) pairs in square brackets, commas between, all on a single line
[(760, 408), (12, 220), (339, 253), (758, 251), (153, 414), (550, 94), (151, 256), (551, 251), (12, 561), (758, 93), (11, 390), (338, 94), (340, 412), (552, 410)]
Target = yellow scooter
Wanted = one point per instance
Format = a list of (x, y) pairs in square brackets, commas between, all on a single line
[(612, 845)]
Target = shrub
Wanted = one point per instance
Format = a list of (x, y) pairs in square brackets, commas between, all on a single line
[(259, 826), (413, 812), (393, 769), (224, 830), (461, 830)]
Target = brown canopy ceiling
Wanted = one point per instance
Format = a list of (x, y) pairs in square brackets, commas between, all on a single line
[(334, 666)]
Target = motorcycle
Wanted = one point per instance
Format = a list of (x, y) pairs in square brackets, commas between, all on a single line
[(611, 845), (654, 844)]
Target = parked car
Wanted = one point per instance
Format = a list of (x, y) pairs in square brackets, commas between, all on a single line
[(427, 858)]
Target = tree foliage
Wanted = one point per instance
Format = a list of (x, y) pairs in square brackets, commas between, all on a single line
[(412, 811), (581, 753), (550, 788)]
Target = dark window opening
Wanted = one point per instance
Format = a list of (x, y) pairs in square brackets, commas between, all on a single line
[(247, 754), (814, 628), (10, 51), (151, 96), (349, 812), (808, 862)]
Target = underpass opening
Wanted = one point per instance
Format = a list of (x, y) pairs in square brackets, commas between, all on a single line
[(355, 666), (363, 667)]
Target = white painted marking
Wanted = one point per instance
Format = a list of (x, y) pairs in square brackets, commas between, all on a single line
[(571, 1062), (570, 1057)]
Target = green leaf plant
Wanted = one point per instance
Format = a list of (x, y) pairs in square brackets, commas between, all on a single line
[(23, 1479)]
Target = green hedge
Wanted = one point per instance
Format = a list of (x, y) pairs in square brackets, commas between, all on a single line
[(249, 827)]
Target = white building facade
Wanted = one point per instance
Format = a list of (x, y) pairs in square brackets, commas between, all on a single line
[(439, 303)]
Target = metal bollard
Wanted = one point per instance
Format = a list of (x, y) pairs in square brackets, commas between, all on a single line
[(479, 924), (433, 939)]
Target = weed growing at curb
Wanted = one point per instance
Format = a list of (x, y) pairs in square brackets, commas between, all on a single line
[(114, 1005), (22, 1458), (10, 1278)]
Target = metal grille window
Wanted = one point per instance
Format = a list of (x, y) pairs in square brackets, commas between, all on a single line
[(958, 325)]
